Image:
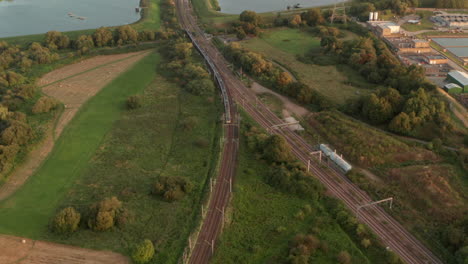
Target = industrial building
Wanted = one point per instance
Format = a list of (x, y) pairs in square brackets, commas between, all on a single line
[(387, 28), (435, 59), (452, 88), (459, 78), (451, 20)]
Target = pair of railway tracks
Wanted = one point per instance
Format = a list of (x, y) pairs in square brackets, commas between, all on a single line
[(391, 233)]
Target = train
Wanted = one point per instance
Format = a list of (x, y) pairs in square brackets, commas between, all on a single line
[(219, 80), (337, 159)]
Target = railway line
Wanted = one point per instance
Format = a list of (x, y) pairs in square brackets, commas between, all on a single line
[(391, 233)]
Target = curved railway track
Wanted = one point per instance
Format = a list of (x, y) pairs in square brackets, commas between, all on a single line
[(391, 233)]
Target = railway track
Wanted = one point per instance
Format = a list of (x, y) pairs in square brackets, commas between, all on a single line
[(391, 233)]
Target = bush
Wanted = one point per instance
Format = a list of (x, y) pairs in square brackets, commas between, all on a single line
[(66, 221), (17, 132), (200, 87), (172, 188), (44, 105), (344, 257), (104, 213), (133, 102), (188, 123), (144, 252)]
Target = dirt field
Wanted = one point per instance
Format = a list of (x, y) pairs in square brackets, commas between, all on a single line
[(13, 250), (73, 85)]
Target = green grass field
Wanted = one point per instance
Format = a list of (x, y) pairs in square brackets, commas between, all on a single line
[(426, 24), (109, 151), (338, 85), (37, 200), (262, 221)]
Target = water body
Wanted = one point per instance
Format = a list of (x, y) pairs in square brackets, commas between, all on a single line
[(237, 6), (25, 17)]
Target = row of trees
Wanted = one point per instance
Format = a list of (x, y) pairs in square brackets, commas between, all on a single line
[(273, 76)]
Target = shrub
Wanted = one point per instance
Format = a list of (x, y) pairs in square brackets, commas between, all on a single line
[(66, 221), (7, 156), (44, 105), (366, 243), (344, 257), (200, 87), (172, 188), (104, 213), (17, 132), (143, 252), (188, 123), (134, 102)]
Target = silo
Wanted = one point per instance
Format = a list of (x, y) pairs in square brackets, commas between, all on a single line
[(371, 16), (376, 16)]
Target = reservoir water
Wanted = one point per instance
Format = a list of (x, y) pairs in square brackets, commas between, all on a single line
[(24, 17), (237, 6)]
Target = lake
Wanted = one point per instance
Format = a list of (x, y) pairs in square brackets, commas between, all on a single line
[(237, 6), (25, 17)]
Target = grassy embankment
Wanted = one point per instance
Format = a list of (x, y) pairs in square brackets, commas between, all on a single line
[(431, 186), (262, 221), (90, 163), (150, 20), (337, 83)]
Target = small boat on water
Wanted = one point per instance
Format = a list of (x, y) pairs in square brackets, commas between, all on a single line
[(70, 14)]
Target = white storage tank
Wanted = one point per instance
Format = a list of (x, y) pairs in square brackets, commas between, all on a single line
[(376, 16), (371, 16)]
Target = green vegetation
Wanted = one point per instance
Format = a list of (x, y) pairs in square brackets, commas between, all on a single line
[(426, 23), (39, 197), (288, 219), (144, 252), (430, 183), (336, 83)]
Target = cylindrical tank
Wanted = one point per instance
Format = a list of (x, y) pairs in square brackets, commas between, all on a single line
[(371, 16), (376, 16)]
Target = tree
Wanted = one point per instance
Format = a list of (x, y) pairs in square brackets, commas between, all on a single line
[(377, 110), (200, 86), (250, 17), (126, 34), (84, 44), (103, 221), (366, 243), (313, 17), (240, 33), (344, 257), (183, 50), (401, 124), (41, 55), (103, 214), (284, 79), (143, 252), (66, 221), (295, 21), (277, 150), (55, 40), (102, 37), (44, 105)]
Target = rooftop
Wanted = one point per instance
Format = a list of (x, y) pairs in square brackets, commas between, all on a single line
[(452, 86), (435, 57), (420, 40), (459, 76)]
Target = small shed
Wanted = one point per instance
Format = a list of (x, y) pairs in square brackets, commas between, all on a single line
[(459, 78), (452, 88)]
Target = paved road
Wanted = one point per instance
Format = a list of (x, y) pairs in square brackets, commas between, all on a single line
[(392, 234)]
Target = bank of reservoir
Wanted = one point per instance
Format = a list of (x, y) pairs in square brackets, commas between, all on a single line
[(25, 17), (237, 6)]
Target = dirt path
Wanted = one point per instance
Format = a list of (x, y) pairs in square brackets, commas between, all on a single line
[(288, 105), (458, 109), (13, 250), (73, 85)]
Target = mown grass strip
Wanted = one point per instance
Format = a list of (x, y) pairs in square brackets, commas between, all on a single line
[(28, 211)]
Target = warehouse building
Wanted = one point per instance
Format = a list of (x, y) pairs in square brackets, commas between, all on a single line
[(452, 20), (459, 78)]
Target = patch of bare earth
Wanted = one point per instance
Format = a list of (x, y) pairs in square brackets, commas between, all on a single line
[(73, 85), (13, 250)]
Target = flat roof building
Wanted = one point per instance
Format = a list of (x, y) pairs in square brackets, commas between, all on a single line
[(435, 59)]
